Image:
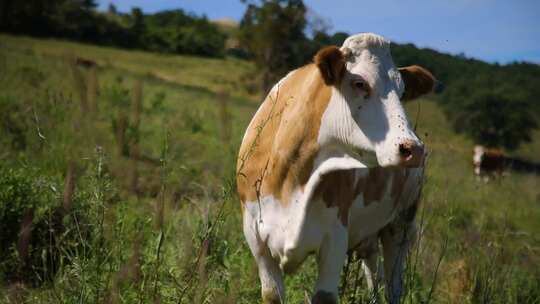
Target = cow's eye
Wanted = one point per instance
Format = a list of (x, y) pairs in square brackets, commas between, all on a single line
[(361, 86)]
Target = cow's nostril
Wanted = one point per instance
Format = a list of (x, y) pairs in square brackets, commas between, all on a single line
[(411, 154), (405, 151)]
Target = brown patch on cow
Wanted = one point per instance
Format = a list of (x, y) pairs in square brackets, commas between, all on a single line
[(336, 189), (280, 144), (339, 188), (418, 81), (374, 185), (331, 63)]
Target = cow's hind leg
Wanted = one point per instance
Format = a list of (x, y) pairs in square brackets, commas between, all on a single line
[(330, 260), (368, 252)]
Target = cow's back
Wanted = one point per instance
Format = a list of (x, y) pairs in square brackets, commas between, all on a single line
[(280, 144)]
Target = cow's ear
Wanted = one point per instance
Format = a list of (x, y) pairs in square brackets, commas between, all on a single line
[(418, 81), (331, 63)]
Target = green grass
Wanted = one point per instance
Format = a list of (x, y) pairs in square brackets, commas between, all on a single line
[(177, 236)]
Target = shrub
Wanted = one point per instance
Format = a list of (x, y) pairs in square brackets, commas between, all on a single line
[(13, 124), (494, 120), (37, 231)]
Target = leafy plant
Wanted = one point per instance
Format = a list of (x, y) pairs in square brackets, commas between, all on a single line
[(38, 232)]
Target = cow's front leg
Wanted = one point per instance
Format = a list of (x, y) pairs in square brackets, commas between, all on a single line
[(272, 287), (331, 258), (396, 239)]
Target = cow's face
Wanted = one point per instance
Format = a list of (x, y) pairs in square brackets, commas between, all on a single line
[(365, 111)]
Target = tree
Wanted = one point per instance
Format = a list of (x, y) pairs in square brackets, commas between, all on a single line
[(178, 32), (491, 117), (273, 32), (88, 4), (112, 9), (138, 26)]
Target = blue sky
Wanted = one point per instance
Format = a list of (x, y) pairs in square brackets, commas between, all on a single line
[(491, 30)]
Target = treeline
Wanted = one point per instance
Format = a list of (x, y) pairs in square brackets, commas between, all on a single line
[(172, 31)]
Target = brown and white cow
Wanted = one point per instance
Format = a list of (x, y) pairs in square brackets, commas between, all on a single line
[(488, 162), (330, 164)]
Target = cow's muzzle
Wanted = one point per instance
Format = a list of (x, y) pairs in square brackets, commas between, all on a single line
[(411, 154)]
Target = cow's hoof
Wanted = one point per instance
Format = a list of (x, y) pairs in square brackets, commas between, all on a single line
[(270, 297), (324, 297)]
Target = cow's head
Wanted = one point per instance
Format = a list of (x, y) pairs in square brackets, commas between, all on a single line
[(365, 111)]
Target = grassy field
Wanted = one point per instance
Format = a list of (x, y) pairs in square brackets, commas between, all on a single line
[(125, 174)]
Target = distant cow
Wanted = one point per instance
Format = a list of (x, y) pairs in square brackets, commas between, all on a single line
[(488, 162), (330, 164), (493, 163)]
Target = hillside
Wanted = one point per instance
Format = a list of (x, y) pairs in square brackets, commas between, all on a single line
[(149, 143)]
